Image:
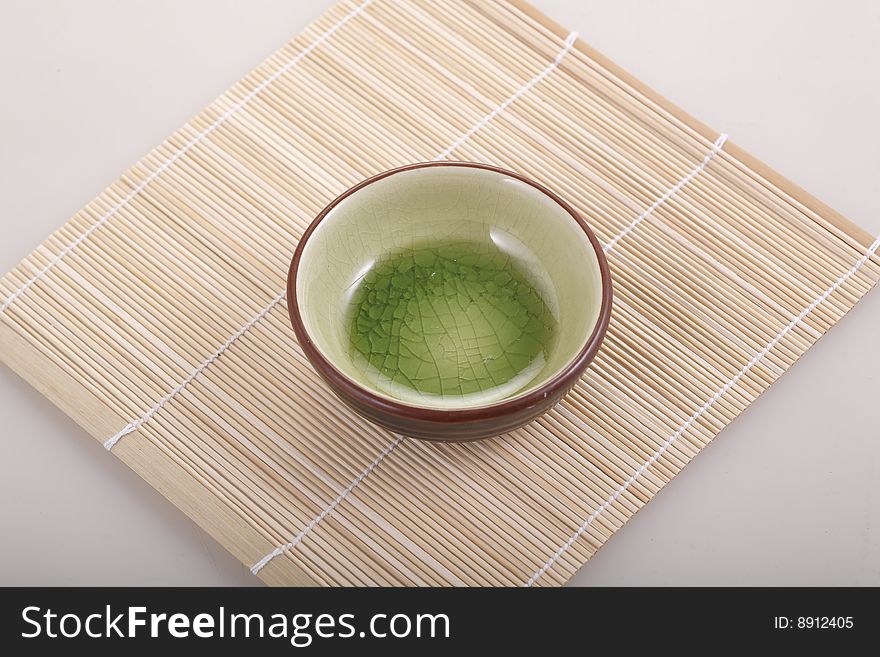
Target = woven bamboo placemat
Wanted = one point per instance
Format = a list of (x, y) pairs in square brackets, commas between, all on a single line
[(155, 316)]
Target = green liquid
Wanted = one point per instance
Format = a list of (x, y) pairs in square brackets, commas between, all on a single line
[(449, 319)]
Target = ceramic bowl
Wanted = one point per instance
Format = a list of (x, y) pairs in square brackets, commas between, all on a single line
[(449, 301)]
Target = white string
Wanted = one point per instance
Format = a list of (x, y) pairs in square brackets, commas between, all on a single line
[(569, 44), (705, 407), (281, 549), (133, 426), (719, 143), (180, 153)]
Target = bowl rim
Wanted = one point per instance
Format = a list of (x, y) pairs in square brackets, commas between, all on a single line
[(563, 380)]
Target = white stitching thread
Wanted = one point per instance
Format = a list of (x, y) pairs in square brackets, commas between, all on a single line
[(699, 413), (719, 143), (281, 549), (183, 150), (132, 426), (569, 44)]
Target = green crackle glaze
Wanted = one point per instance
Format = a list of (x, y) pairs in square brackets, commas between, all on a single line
[(486, 225), (449, 318)]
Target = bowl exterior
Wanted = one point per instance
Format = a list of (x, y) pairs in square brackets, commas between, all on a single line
[(452, 425), (448, 429)]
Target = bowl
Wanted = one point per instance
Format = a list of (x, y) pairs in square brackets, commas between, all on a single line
[(449, 301)]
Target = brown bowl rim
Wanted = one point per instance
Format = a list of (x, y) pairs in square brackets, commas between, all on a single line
[(562, 380)]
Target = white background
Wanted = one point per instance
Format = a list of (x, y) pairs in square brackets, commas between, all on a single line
[(789, 494)]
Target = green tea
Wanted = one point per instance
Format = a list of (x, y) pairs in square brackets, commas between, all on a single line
[(449, 319)]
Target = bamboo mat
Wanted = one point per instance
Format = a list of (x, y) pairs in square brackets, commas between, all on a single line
[(155, 316)]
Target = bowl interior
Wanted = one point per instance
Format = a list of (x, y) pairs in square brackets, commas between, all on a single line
[(448, 287)]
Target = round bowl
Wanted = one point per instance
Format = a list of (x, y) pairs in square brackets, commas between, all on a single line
[(449, 301)]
